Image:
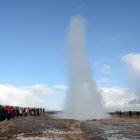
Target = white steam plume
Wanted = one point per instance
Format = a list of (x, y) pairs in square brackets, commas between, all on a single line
[(83, 100)]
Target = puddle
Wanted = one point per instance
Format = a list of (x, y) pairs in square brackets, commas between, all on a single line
[(37, 138), (58, 134), (56, 131)]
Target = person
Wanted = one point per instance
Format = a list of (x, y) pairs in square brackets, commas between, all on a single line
[(20, 111), (33, 112), (38, 112), (130, 113), (0, 113), (30, 111), (8, 112), (11, 112), (138, 113), (120, 113), (17, 112)]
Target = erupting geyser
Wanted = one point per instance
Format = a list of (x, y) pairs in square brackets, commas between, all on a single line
[(83, 99)]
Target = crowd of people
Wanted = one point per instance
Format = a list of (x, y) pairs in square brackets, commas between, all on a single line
[(126, 113), (8, 112)]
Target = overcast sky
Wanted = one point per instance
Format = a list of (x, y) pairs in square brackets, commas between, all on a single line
[(33, 53)]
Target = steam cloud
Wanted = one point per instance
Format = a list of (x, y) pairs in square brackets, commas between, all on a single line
[(83, 100)]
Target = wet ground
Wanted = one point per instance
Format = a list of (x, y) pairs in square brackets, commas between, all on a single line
[(115, 128), (48, 128), (40, 128)]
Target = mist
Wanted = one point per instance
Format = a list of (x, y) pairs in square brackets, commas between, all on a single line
[(83, 99)]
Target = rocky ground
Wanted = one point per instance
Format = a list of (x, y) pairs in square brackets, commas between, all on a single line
[(48, 128)]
